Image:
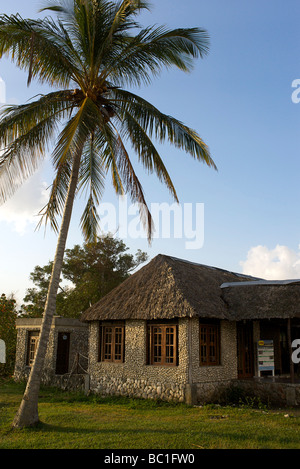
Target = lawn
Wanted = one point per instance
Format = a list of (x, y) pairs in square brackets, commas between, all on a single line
[(75, 421)]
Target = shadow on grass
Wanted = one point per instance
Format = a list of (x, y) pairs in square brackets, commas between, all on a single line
[(94, 399), (205, 439), (4, 405), (52, 428)]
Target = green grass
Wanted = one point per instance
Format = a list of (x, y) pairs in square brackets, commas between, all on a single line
[(75, 421)]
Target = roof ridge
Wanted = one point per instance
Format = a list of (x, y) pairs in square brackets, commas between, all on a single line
[(220, 269)]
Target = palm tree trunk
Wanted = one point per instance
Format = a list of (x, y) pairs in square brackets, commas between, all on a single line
[(27, 414)]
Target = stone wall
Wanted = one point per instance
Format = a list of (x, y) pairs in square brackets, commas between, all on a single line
[(270, 391), (22, 370), (211, 381), (187, 382), (134, 377), (78, 344)]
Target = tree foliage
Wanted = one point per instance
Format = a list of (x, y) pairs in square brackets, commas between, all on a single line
[(91, 270), (8, 333)]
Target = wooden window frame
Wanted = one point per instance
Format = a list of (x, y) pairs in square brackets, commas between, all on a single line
[(210, 337), (112, 351), (164, 355), (31, 351)]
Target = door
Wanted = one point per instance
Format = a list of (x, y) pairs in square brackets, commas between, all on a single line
[(245, 349), (62, 356)]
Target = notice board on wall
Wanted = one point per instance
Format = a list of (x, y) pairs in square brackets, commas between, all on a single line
[(265, 356)]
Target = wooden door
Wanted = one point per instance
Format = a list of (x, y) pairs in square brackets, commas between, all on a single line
[(62, 356), (245, 352)]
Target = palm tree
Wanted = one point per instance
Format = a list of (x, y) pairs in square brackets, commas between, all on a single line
[(89, 53)]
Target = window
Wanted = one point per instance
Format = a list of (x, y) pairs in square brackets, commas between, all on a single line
[(33, 340), (210, 343), (162, 344), (111, 342)]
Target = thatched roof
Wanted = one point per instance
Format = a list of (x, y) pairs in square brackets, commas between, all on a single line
[(262, 300), (166, 288)]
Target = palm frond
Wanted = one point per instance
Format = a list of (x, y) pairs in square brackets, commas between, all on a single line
[(59, 189), (72, 139), (26, 132), (90, 220), (137, 59), (16, 120), (162, 126), (75, 132), (92, 181), (40, 47), (117, 156), (146, 151), (109, 22)]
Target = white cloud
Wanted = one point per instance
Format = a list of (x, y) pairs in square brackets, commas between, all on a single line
[(279, 263), (22, 209)]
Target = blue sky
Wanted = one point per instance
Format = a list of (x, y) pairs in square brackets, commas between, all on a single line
[(239, 99)]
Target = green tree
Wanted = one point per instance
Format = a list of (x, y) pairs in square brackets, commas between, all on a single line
[(8, 315), (35, 298), (93, 270), (89, 54)]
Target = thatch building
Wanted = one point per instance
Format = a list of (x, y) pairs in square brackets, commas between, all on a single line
[(167, 288), (178, 330), (185, 331)]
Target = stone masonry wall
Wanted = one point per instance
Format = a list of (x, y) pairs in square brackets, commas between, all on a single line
[(22, 370), (210, 381), (78, 343), (134, 377), (188, 381), (270, 392)]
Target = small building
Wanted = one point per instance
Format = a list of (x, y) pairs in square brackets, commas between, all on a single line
[(184, 331), (66, 361)]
